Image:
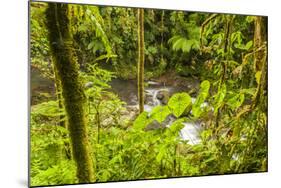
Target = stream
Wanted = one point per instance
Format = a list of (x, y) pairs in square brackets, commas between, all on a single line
[(155, 94)]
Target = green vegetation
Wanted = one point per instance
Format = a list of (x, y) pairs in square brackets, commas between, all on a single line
[(125, 94)]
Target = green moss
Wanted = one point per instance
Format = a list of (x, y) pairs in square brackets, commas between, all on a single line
[(65, 64)]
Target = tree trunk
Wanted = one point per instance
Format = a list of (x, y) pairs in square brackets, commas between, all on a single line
[(141, 59), (60, 39), (260, 59), (259, 38), (259, 41)]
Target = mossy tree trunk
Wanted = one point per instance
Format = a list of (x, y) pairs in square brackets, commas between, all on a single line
[(260, 59), (141, 59), (259, 38), (60, 39)]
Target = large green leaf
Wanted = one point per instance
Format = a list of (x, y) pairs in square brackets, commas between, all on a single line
[(142, 121), (160, 113), (178, 103)]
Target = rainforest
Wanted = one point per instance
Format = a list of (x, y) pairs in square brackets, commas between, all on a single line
[(119, 93)]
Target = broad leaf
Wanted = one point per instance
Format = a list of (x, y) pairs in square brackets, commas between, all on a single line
[(160, 113), (142, 121), (178, 103)]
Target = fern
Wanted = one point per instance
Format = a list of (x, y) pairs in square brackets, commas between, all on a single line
[(185, 45), (62, 173), (94, 20)]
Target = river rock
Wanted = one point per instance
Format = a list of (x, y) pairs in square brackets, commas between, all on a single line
[(108, 122), (154, 125), (148, 100), (133, 99), (163, 96), (131, 113)]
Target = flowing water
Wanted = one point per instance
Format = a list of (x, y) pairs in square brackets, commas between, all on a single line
[(127, 91)]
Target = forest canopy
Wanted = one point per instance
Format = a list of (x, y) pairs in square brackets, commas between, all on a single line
[(121, 93)]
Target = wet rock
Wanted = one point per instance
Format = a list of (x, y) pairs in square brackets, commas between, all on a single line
[(148, 99), (163, 96), (130, 113), (160, 95), (108, 122), (132, 108), (154, 125), (133, 99)]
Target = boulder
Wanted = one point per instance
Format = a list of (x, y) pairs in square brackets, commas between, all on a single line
[(163, 96), (148, 99), (131, 113), (154, 125)]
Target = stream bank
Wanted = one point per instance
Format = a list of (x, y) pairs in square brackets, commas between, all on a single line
[(157, 92)]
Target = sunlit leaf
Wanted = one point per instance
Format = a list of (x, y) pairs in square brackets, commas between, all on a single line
[(142, 121), (160, 113), (178, 103)]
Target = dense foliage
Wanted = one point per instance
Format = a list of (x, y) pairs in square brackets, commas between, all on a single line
[(226, 54)]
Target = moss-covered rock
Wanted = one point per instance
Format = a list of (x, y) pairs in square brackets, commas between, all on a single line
[(163, 95)]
